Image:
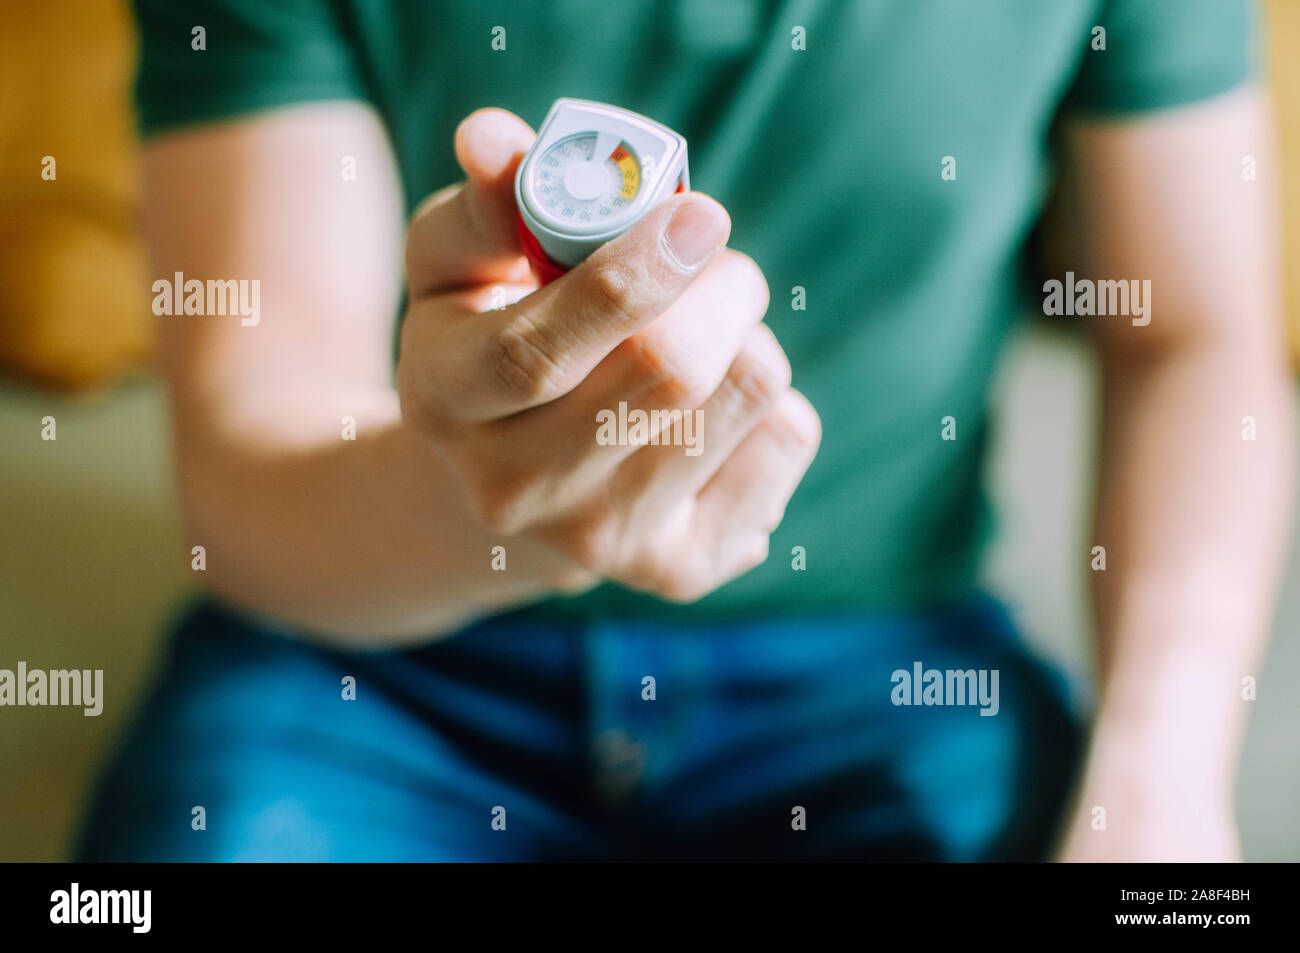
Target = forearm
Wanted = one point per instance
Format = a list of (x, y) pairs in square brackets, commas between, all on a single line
[(362, 540), (1195, 521), (366, 541)]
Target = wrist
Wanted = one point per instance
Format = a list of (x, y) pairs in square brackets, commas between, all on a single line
[(1161, 759)]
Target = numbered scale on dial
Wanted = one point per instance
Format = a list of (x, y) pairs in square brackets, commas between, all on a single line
[(593, 172)]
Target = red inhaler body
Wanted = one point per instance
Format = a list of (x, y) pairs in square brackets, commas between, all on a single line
[(544, 269), (593, 172)]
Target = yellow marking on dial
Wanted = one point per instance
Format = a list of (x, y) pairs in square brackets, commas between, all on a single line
[(628, 168)]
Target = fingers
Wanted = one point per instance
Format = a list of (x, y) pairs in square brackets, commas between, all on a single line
[(756, 380), (679, 360), (711, 515), (553, 456), (465, 234), (514, 387), (672, 366), (753, 486), (491, 365), (546, 345), (691, 547)]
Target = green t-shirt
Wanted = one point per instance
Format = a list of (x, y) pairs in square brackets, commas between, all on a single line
[(824, 128)]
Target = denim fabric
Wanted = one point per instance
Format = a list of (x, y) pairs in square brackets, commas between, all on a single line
[(547, 727)]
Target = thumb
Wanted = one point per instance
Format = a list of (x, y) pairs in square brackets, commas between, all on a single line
[(465, 234)]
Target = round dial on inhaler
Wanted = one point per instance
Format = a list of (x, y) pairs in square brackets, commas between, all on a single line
[(592, 173)]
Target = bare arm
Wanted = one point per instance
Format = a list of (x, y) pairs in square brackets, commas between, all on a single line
[(1194, 518), (358, 538), (389, 537)]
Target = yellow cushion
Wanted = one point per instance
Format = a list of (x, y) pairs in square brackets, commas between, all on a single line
[(1284, 62), (74, 307)]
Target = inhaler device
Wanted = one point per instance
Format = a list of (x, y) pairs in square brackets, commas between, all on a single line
[(592, 173)]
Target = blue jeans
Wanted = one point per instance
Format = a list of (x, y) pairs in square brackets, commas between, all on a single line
[(522, 739)]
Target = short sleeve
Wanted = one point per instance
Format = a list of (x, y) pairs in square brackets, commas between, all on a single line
[(202, 60), (1163, 53)]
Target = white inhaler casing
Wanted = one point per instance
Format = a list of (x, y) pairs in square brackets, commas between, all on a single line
[(592, 173)]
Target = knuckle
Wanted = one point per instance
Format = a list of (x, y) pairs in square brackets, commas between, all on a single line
[(775, 515), (664, 383), (575, 580), (521, 363), (757, 552), (615, 285), (654, 569), (416, 411), (795, 423), (642, 358), (745, 276), (677, 389), (761, 375), (420, 407), (676, 578), (592, 545), (682, 587), (501, 504)]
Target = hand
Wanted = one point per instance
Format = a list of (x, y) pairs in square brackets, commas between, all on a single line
[(663, 318)]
